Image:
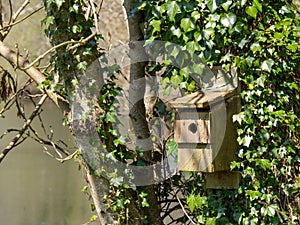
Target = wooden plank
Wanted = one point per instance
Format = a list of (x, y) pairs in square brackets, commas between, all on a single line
[(224, 139), (223, 180), (222, 85), (201, 100), (195, 159), (192, 131)]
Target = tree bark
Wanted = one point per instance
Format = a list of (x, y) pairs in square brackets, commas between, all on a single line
[(137, 108), (37, 76)]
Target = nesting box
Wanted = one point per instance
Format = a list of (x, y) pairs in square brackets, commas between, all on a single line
[(204, 129)]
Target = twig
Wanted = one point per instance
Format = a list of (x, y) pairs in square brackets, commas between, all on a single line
[(22, 7), (95, 17), (24, 128), (83, 42), (1, 18), (77, 44), (36, 75), (21, 20), (10, 11), (184, 211), (100, 7)]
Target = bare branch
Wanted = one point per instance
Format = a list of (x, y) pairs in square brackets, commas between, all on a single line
[(18, 12), (24, 128), (77, 44), (1, 17), (10, 11), (7, 28), (36, 75), (95, 17), (183, 209)]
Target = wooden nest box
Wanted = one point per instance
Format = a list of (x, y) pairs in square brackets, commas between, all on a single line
[(204, 130)]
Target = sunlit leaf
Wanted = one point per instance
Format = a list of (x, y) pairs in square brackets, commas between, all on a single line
[(267, 65), (228, 20), (211, 4), (226, 5), (187, 24), (251, 11), (172, 10), (258, 5)]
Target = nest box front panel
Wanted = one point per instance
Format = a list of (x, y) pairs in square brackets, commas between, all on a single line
[(192, 127)]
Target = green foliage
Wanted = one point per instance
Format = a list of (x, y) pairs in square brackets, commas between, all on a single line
[(261, 40), (65, 22), (258, 38)]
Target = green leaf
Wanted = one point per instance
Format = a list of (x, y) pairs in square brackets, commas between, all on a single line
[(187, 24), (176, 80), (59, 3), (242, 2), (110, 118), (270, 210), (228, 20), (156, 25), (208, 33), (258, 5), (212, 5), (292, 47), (251, 11), (253, 194), (238, 117), (211, 221), (197, 36), (48, 21), (175, 31), (226, 5), (255, 47), (196, 15), (267, 65), (171, 146), (263, 163), (173, 10), (194, 201)]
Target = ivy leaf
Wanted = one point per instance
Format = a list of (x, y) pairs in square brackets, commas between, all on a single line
[(156, 25), (258, 5), (208, 32), (194, 201), (263, 163), (255, 47), (171, 147), (243, 2), (48, 21), (245, 141), (176, 31), (175, 81), (196, 15), (270, 210), (187, 24), (59, 3), (238, 117), (267, 65), (251, 11), (228, 20), (212, 5), (173, 10), (226, 5)]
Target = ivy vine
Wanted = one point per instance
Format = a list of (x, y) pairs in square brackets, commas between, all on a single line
[(261, 40)]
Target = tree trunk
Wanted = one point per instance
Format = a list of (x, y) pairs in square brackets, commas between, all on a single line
[(137, 108), (66, 68)]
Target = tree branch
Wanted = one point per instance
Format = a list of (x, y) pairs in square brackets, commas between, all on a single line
[(24, 128), (137, 112), (20, 62)]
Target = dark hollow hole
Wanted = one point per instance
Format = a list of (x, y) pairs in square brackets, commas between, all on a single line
[(193, 128)]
